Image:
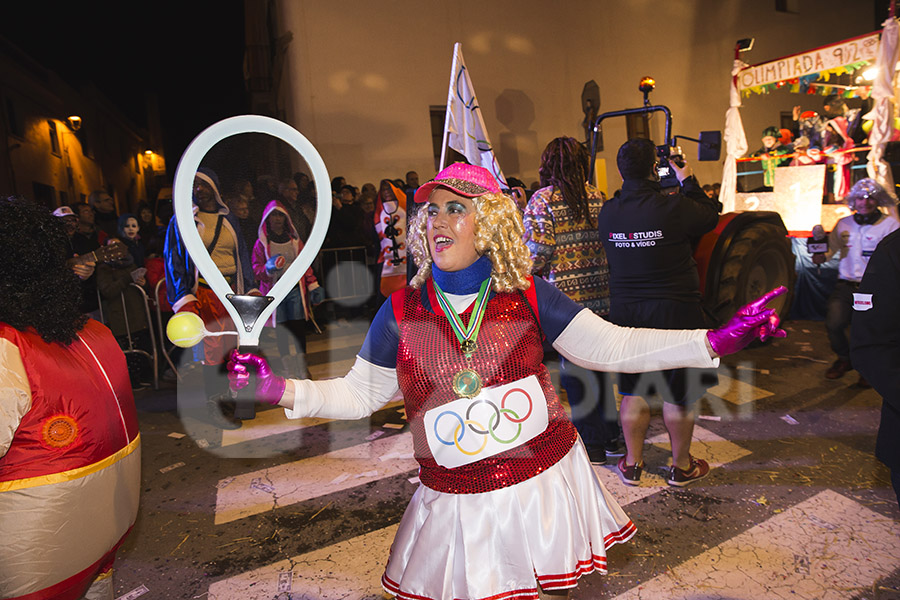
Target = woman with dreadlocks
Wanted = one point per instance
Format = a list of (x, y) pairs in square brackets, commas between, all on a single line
[(70, 460), (561, 233), (508, 503)]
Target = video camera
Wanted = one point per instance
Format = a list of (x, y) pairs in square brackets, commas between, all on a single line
[(666, 154)]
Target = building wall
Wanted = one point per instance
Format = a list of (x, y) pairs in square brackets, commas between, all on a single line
[(359, 76), (34, 96)]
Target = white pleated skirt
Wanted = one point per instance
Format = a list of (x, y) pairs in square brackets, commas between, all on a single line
[(548, 530)]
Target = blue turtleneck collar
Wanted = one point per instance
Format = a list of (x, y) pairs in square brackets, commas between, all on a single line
[(464, 281)]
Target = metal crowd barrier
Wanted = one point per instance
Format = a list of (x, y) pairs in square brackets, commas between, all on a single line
[(154, 358), (345, 272), (166, 352)]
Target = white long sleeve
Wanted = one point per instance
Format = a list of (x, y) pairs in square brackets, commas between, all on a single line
[(358, 394), (596, 344)]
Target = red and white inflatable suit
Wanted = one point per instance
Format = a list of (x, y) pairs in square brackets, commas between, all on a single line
[(70, 463)]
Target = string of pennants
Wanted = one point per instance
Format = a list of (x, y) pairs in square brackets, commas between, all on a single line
[(811, 84)]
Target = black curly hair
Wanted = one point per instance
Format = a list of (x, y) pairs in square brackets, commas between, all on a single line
[(37, 289), (565, 164)]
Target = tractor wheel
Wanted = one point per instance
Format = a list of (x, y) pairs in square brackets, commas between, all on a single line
[(759, 259)]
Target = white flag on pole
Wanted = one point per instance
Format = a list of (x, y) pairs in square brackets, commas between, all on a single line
[(464, 129)]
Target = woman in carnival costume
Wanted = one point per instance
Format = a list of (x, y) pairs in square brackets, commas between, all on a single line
[(508, 506)]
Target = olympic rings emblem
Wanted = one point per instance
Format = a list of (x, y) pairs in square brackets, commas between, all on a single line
[(467, 423)]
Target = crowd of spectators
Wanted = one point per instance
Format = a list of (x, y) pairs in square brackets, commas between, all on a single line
[(106, 284)]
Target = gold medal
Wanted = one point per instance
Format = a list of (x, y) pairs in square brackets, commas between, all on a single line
[(467, 383)]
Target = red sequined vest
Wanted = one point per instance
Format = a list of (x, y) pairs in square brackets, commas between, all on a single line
[(509, 349)]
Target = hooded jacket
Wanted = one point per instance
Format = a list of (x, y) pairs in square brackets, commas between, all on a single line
[(262, 252), (181, 272)]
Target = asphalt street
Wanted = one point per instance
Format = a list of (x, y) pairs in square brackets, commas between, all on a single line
[(796, 505)]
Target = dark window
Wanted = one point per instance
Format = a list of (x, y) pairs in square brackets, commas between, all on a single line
[(787, 6), (54, 138), (438, 115), (44, 194), (16, 127), (63, 198), (638, 126), (84, 139)]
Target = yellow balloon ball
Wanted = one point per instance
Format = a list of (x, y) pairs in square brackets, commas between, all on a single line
[(185, 329)]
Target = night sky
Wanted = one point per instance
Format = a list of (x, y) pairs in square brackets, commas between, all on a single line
[(189, 53)]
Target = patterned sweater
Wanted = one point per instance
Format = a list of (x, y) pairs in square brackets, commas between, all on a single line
[(568, 254)]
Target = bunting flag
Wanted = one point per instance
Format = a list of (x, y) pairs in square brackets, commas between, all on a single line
[(811, 84), (464, 129), (806, 68)]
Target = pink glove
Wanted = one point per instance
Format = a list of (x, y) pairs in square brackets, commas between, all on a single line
[(747, 323), (269, 386)]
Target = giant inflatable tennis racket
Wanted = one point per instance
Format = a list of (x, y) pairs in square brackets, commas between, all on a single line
[(249, 313)]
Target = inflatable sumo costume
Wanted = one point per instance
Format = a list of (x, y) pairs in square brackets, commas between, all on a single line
[(69, 440)]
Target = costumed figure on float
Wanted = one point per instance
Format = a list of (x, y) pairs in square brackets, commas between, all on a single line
[(508, 503), (70, 459), (771, 152), (837, 145)]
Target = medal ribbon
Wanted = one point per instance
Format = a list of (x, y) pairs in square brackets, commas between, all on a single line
[(465, 334)]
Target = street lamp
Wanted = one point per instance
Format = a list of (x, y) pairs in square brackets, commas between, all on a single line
[(74, 122)]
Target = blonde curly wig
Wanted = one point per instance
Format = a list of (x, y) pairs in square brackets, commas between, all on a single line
[(498, 233)]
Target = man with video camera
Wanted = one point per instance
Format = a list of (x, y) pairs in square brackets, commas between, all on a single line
[(648, 237)]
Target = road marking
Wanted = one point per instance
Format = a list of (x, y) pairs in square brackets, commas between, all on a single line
[(273, 422), (316, 476), (266, 423), (825, 548), (348, 569), (361, 560), (737, 391)]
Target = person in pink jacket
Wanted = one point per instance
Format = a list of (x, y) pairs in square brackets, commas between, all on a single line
[(837, 143), (275, 249)]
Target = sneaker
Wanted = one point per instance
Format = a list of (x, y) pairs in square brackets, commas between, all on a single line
[(629, 474), (597, 456), (615, 448), (837, 369), (698, 470)]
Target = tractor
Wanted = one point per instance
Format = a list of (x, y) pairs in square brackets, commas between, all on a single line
[(747, 254)]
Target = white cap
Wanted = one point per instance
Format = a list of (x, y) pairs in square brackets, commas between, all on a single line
[(63, 211)]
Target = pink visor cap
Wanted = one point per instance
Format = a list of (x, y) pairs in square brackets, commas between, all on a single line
[(463, 179)]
